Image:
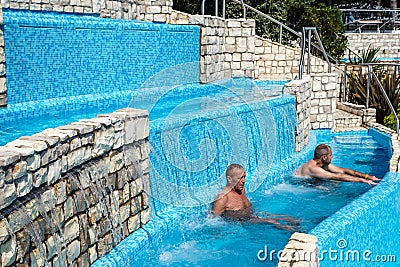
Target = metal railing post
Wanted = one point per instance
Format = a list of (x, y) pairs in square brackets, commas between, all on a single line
[(303, 51), (223, 9), (309, 52), (216, 8), (345, 83), (244, 9), (368, 85), (387, 100), (323, 50), (202, 6), (280, 33)]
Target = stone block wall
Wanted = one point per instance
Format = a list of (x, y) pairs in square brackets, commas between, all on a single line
[(323, 100), (388, 42), (274, 61), (239, 48), (149, 10), (227, 46), (212, 48), (154, 10), (368, 115), (301, 250), (68, 195), (302, 90)]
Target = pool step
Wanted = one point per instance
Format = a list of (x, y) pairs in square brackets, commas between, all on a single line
[(345, 121)]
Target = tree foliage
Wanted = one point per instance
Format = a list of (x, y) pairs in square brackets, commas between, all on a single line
[(293, 13)]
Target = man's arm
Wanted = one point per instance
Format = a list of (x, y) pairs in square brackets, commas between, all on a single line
[(339, 176), (336, 169), (219, 205)]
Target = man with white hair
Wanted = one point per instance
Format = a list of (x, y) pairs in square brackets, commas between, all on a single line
[(232, 202)]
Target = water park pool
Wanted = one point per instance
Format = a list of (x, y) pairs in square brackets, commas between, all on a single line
[(28, 118), (195, 238), (195, 132)]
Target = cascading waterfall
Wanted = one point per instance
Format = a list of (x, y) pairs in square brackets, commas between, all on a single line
[(195, 139), (53, 224)]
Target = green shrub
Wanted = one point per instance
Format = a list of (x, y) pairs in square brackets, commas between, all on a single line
[(389, 120)]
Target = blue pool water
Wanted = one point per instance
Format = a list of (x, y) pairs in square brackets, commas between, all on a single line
[(199, 240), (28, 118)]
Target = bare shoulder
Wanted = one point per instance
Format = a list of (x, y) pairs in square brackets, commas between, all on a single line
[(220, 202), (305, 169)]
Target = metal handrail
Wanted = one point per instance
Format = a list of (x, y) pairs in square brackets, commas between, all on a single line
[(283, 26), (223, 8), (356, 54), (303, 50), (370, 72), (373, 74), (268, 17)]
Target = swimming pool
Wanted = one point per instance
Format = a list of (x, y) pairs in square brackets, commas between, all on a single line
[(193, 238), (28, 118)]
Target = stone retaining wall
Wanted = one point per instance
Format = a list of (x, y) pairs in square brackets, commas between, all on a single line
[(274, 61), (323, 100), (315, 104), (227, 46), (239, 48), (302, 90), (388, 42), (368, 115), (212, 47), (68, 195), (154, 10)]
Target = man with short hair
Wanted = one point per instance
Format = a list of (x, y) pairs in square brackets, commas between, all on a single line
[(233, 203), (321, 167)]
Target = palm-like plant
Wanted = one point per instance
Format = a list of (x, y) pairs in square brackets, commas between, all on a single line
[(357, 84), (368, 55), (390, 83)]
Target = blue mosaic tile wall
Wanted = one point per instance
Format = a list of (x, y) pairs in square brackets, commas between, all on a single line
[(53, 55), (193, 151), (365, 232)]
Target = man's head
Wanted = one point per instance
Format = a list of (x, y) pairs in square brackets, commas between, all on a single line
[(323, 153), (236, 177)]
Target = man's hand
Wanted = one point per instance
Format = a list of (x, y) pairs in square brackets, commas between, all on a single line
[(370, 182), (373, 178)]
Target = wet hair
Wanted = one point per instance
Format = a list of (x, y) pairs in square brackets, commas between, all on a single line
[(321, 150), (231, 167)]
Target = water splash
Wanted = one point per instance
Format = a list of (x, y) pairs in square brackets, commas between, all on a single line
[(53, 224)]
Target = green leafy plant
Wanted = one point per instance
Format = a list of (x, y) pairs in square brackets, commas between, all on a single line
[(357, 84), (368, 55), (389, 120), (390, 83), (293, 13), (329, 24)]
